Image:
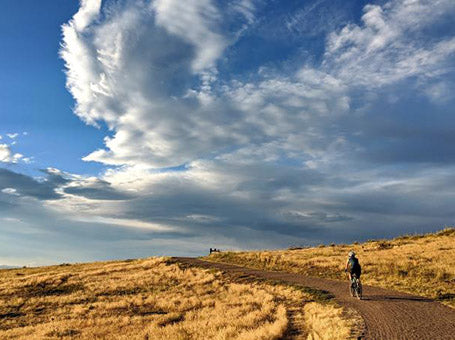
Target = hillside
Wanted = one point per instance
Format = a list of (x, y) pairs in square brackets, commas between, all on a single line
[(156, 299), (418, 264)]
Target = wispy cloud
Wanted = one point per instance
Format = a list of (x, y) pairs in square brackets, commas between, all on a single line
[(388, 46), (12, 135)]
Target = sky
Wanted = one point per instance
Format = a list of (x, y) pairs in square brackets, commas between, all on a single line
[(135, 128)]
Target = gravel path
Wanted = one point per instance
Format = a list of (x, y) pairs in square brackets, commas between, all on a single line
[(387, 314)]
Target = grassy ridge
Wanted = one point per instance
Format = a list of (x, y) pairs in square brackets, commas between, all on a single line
[(419, 264), (151, 299)]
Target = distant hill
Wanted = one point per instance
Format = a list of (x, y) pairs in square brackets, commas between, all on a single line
[(7, 267)]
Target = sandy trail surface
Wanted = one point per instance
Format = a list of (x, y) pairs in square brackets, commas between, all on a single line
[(387, 314)]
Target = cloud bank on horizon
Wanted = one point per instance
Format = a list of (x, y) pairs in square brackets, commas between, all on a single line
[(247, 124)]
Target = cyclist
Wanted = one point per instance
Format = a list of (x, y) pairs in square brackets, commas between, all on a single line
[(353, 266)]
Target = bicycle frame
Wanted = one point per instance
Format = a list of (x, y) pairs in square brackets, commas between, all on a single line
[(355, 286)]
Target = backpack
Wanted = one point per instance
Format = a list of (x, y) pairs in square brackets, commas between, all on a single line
[(354, 265)]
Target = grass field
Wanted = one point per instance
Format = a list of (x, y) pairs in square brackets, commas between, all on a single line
[(153, 299), (419, 264)]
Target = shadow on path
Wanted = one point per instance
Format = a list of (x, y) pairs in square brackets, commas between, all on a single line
[(391, 298)]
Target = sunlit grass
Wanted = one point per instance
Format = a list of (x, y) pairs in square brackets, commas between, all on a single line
[(323, 322), (143, 299), (420, 264)]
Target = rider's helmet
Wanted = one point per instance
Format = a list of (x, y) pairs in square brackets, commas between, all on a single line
[(351, 254)]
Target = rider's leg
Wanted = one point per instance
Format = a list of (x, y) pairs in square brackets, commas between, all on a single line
[(350, 284)]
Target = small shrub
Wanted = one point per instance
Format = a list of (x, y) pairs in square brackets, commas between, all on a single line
[(170, 319), (382, 245), (402, 273), (63, 333), (446, 232), (446, 296)]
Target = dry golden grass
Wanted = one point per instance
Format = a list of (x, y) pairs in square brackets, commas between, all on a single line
[(141, 299), (323, 322), (419, 264)]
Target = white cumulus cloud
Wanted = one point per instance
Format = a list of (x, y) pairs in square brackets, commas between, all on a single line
[(7, 156)]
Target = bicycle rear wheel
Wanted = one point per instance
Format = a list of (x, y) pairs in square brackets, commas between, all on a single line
[(352, 290), (358, 290)]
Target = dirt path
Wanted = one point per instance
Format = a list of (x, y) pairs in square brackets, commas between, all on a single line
[(388, 315)]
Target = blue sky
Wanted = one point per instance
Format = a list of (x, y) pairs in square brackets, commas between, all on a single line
[(132, 128), (33, 95)]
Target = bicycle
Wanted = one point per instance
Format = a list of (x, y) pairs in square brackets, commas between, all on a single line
[(356, 287)]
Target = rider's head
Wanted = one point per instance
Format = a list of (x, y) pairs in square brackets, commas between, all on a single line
[(351, 254)]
